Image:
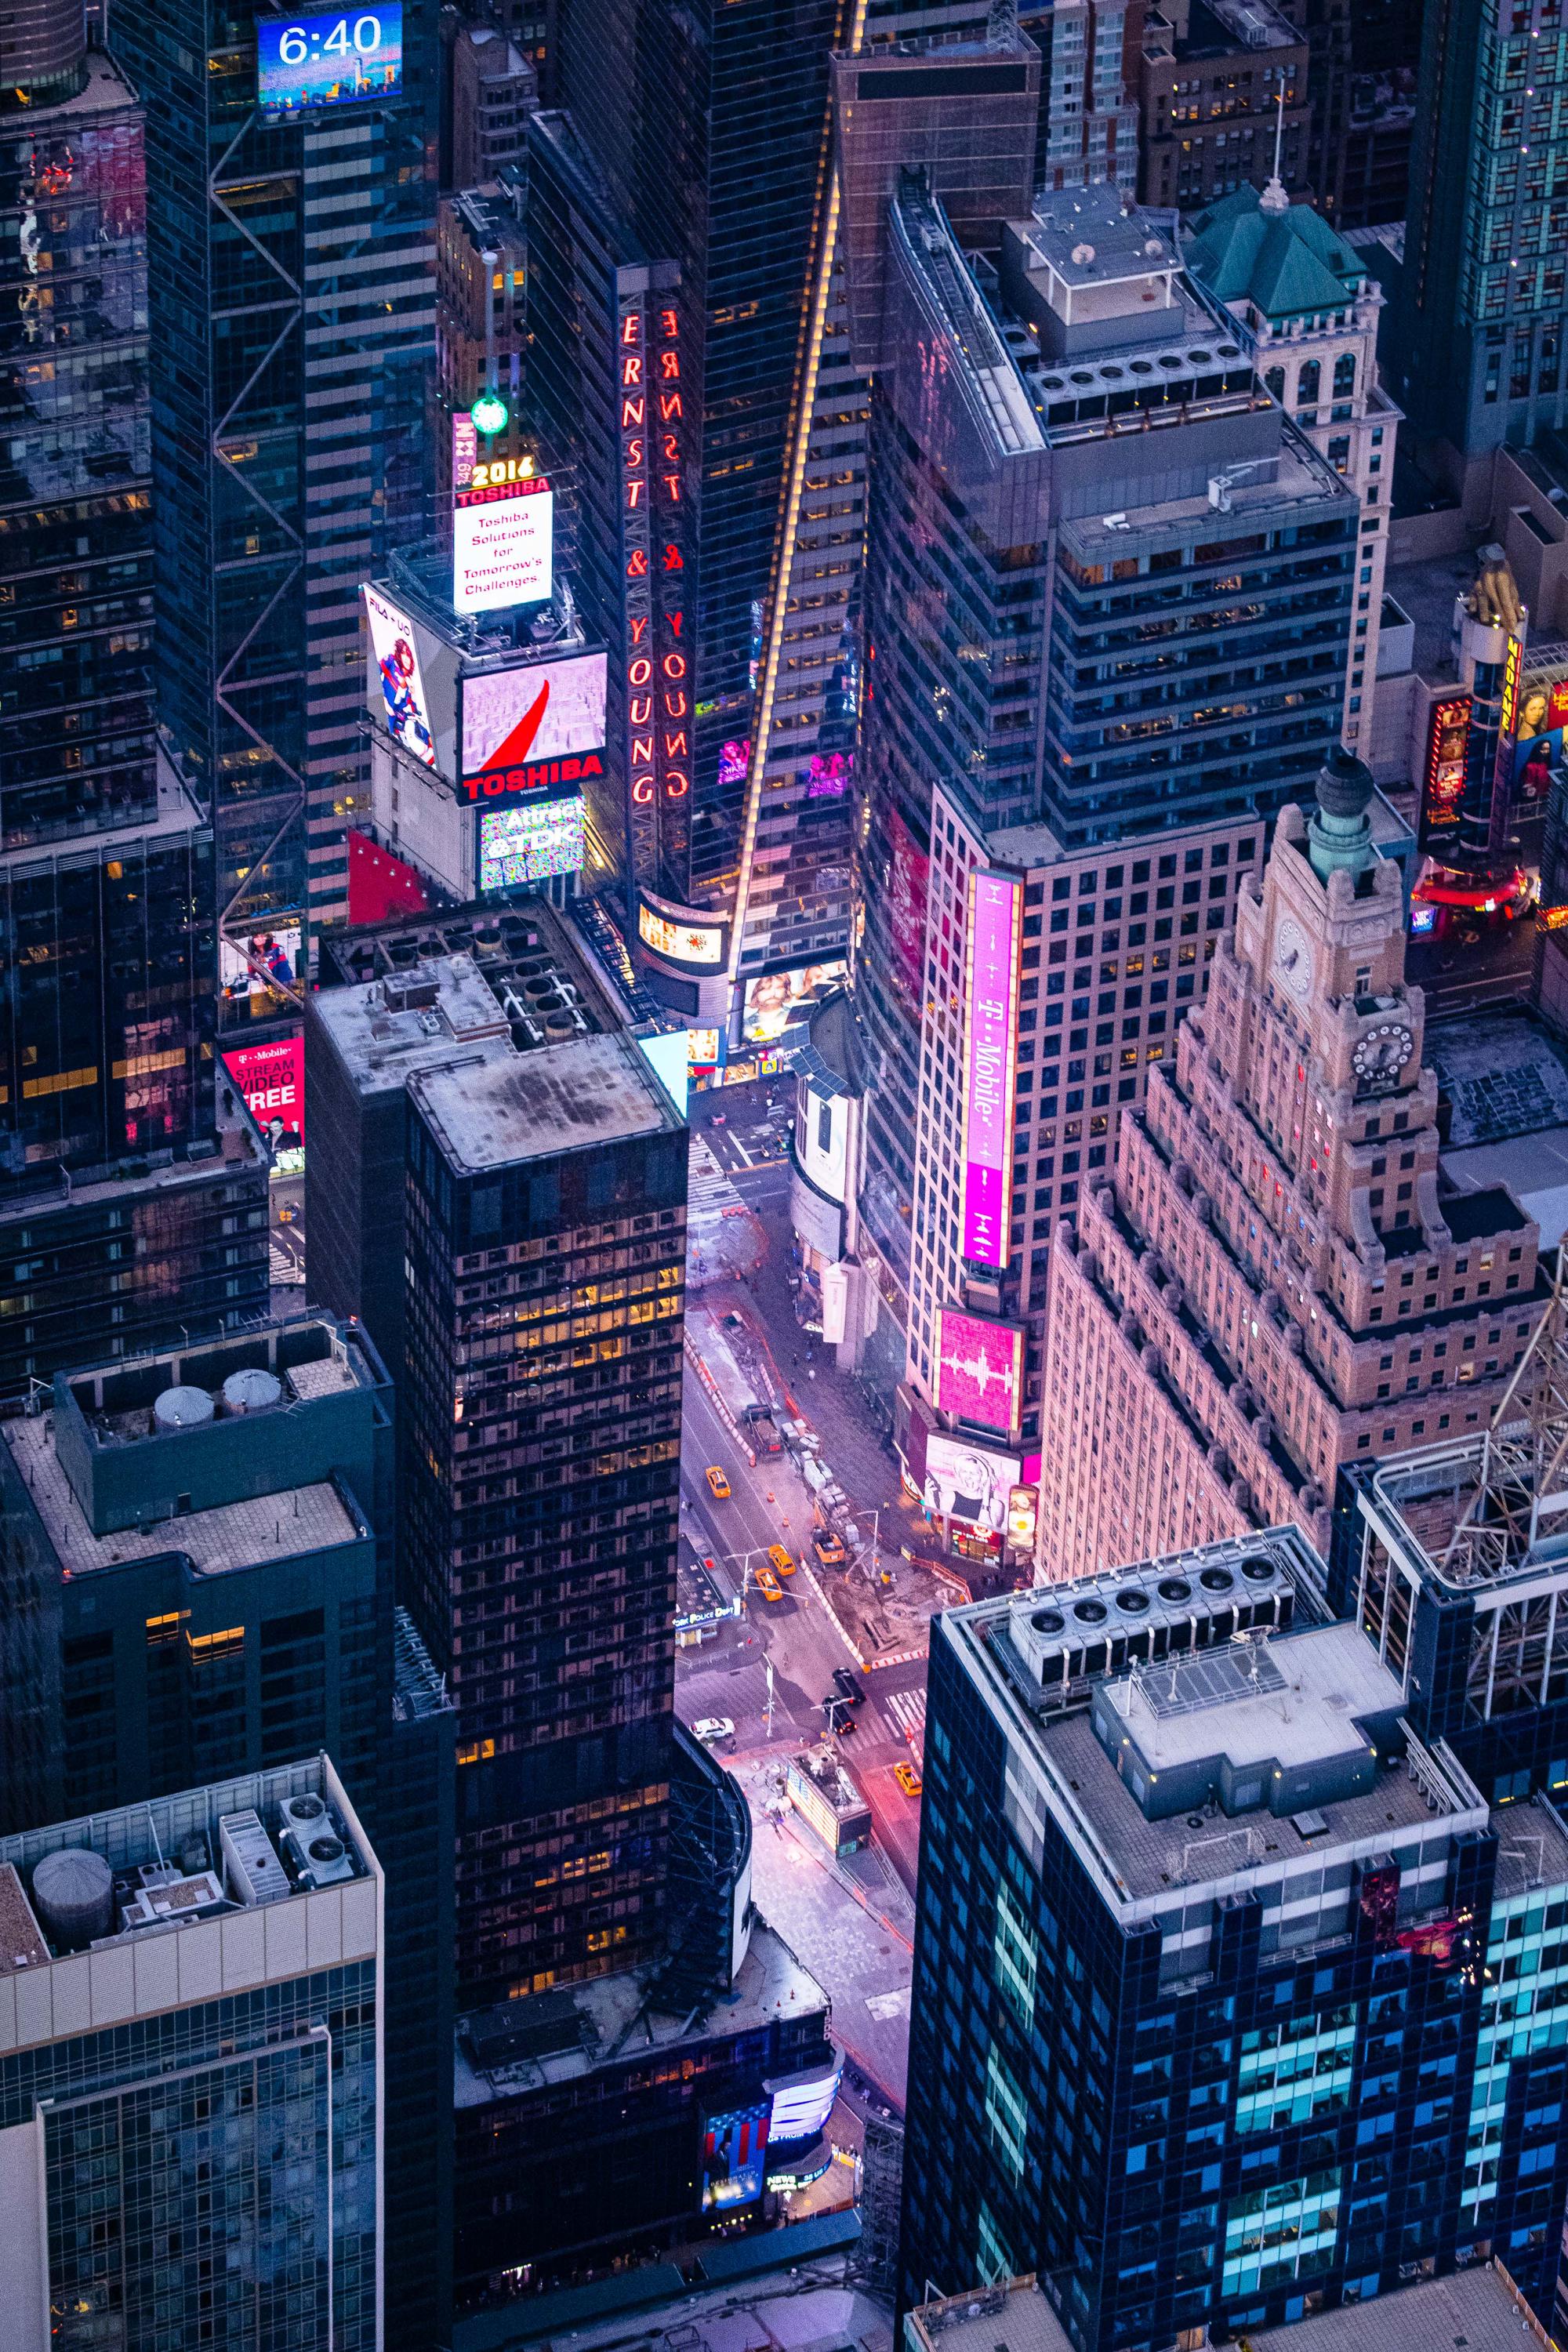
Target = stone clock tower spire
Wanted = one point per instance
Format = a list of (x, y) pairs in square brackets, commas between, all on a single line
[(1276, 1281)]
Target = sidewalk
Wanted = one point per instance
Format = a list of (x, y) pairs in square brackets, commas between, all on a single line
[(851, 1926)]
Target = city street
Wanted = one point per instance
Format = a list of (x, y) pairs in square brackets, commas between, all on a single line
[(852, 1921)]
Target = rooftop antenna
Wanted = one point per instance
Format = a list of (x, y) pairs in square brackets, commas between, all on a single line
[(1002, 24), (1274, 198)]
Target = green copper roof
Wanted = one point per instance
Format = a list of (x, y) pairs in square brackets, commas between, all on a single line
[(1283, 263)]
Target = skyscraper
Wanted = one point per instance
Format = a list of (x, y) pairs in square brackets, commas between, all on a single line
[(709, 127), (1274, 1281), (1236, 1996), (521, 1242), (1478, 309), (198, 1579), (1306, 296), (290, 236), (1108, 605), (191, 2068), (106, 967)]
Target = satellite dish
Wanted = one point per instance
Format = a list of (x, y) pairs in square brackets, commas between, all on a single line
[(1153, 244), (1083, 255)]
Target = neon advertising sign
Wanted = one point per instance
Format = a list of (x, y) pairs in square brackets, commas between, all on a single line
[(1448, 746), (659, 690), (991, 1058)]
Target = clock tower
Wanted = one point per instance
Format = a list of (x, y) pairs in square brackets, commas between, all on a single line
[(1278, 1280)]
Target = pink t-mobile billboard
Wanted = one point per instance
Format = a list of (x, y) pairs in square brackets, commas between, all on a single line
[(991, 1055), (979, 1369)]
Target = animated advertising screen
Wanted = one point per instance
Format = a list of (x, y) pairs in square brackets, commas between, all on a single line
[(523, 845), (779, 1000), (272, 1080), (405, 708), (1541, 720), (306, 62), (535, 727), (262, 965)]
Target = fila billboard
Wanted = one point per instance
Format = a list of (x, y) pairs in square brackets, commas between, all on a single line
[(538, 728)]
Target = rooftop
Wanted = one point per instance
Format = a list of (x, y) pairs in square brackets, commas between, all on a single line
[(1300, 478), (563, 2035), (1477, 2310), (831, 1779), (1014, 2316), (1139, 1863), (233, 1535), (1292, 1699), (1286, 264), (190, 1896), (491, 1113), (1089, 237), (1149, 1858), (232, 1150), (479, 976)]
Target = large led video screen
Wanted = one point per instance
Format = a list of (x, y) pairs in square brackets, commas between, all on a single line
[(306, 62)]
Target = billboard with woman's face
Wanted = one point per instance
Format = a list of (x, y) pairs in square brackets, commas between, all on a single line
[(778, 1000), (1538, 742)]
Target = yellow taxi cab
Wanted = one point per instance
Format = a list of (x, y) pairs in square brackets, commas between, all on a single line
[(907, 1778), (780, 1560), (719, 1486), (768, 1585)]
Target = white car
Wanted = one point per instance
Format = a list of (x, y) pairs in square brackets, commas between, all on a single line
[(712, 1728)]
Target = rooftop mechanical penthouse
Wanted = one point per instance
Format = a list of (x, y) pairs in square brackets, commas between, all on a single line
[(1234, 1998)]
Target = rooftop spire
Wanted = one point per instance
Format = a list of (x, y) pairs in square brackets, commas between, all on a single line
[(1002, 24), (1274, 198), (1339, 832)]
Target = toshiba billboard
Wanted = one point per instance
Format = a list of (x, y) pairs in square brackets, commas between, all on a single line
[(537, 727)]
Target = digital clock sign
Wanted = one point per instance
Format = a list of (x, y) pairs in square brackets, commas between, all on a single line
[(302, 62)]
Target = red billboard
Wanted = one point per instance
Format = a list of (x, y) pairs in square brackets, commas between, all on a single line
[(272, 1079), (381, 885)]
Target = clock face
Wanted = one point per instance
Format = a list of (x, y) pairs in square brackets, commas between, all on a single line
[(1292, 958), (1381, 1053)]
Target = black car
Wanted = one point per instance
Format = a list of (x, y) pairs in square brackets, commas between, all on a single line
[(844, 1682)]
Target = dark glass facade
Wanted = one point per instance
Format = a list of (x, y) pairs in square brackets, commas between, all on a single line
[(594, 301), (108, 1003), (76, 546), (194, 2165), (1477, 314), (1227, 2117), (544, 1340), (708, 127), (107, 948), (127, 1259), (293, 290)]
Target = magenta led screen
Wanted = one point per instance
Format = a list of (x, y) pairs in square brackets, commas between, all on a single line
[(995, 912), (979, 1369)]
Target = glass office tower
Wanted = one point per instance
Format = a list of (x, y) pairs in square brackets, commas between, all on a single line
[(106, 887), (707, 125), (190, 2125), (1237, 1977), (293, 249)]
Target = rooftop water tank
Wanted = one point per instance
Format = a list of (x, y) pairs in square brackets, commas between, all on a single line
[(73, 1894), (251, 1390), (182, 1408)]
